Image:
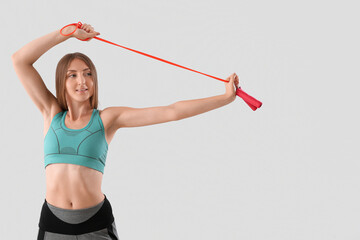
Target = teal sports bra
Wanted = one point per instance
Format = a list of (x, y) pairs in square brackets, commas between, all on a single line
[(86, 146)]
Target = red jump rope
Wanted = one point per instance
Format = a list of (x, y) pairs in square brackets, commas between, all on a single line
[(252, 102)]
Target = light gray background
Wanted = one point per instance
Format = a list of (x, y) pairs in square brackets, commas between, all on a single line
[(289, 170)]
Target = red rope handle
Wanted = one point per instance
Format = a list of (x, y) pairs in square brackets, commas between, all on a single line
[(252, 102), (72, 24)]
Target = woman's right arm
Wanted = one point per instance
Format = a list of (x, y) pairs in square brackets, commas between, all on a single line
[(25, 57), (23, 61)]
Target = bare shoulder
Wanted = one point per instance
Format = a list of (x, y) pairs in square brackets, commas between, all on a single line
[(108, 116)]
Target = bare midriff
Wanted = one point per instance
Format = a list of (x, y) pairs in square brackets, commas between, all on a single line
[(72, 186)]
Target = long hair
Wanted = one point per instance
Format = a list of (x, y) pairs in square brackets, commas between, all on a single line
[(60, 77)]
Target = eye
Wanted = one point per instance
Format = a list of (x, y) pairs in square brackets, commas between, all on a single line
[(89, 74), (72, 75)]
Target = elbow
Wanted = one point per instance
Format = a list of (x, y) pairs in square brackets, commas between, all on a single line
[(18, 59), (15, 58)]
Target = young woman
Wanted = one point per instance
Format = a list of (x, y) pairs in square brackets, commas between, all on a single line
[(77, 135)]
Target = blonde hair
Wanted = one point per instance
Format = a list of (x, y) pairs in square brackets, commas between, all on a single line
[(60, 77)]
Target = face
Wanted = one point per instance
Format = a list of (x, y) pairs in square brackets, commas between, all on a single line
[(79, 82)]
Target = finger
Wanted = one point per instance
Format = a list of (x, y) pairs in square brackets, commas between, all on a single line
[(230, 78), (236, 79), (86, 27)]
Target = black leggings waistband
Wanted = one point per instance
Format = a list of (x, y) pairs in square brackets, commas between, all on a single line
[(103, 218)]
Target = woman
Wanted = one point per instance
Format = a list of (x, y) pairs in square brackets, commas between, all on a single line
[(77, 135)]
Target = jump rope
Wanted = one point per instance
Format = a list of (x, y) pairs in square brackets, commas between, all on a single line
[(251, 101)]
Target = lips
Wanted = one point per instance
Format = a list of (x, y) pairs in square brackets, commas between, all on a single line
[(82, 90)]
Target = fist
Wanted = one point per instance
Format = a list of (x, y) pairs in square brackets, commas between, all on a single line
[(231, 86), (86, 31)]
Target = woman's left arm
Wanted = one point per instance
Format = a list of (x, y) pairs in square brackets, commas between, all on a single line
[(135, 117), (189, 108)]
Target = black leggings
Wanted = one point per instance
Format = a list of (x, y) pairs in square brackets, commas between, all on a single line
[(55, 223)]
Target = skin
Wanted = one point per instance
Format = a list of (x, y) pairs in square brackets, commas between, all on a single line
[(67, 185), (72, 186)]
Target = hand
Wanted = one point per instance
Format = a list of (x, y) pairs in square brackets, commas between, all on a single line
[(85, 31), (231, 86)]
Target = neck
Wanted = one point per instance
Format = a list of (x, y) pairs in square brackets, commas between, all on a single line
[(75, 114)]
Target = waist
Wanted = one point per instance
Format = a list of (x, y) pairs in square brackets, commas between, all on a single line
[(75, 222), (71, 186)]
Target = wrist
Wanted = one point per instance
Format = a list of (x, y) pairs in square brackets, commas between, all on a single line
[(229, 98), (68, 31)]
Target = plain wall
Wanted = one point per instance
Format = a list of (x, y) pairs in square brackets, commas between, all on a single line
[(289, 170)]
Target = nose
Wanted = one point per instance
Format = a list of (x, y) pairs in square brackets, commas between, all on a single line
[(81, 79)]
